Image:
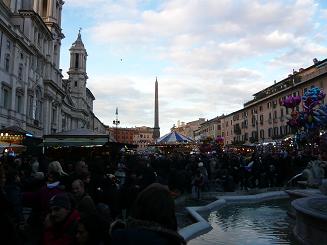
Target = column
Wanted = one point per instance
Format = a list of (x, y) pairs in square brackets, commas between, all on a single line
[(81, 61), (59, 16), (50, 9), (46, 116), (40, 8), (25, 104), (26, 75), (36, 5)]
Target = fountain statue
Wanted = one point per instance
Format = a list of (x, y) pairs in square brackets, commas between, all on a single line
[(311, 212), (314, 173)]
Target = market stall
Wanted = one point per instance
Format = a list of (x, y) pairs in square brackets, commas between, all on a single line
[(173, 142)]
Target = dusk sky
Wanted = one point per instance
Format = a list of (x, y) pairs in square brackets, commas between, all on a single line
[(210, 56)]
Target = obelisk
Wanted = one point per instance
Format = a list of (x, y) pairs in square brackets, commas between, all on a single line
[(156, 128)]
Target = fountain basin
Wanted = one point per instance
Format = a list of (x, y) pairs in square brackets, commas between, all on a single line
[(311, 220)]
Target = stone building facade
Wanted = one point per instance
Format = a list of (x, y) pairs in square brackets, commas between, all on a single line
[(33, 93), (209, 129), (143, 137), (140, 136), (264, 119), (188, 129)]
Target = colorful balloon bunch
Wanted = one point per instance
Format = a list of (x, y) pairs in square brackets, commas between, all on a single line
[(311, 118), (291, 101), (320, 115), (312, 98), (220, 140)]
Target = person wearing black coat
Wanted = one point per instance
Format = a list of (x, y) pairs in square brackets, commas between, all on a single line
[(152, 221)]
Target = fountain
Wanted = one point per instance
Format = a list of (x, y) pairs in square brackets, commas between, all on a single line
[(311, 220), (311, 212)]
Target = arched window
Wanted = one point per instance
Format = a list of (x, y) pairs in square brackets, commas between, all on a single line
[(76, 60)]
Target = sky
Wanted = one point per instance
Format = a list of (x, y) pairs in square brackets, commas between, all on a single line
[(209, 56)]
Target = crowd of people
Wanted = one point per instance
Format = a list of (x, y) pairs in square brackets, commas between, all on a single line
[(127, 201)]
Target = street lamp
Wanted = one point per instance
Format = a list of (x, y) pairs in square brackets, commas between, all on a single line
[(116, 122)]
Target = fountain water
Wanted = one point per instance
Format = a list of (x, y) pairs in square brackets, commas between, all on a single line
[(293, 178)]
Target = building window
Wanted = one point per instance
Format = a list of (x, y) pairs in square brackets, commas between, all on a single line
[(7, 62), (44, 8), (261, 119), (8, 44), (269, 132), (75, 84), (76, 60), (281, 131), (54, 115), (275, 131), (262, 134), (63, 121), (37, 106), (30, 106), (275, 114), (20, 72), (6, 98), (19, 102)]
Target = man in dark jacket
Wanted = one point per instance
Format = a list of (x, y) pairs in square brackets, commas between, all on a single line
[(152, 220)]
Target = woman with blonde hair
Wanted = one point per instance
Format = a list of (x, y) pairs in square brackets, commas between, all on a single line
[(55, 166)]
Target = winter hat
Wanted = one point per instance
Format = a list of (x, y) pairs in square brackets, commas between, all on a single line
[(60, 200)]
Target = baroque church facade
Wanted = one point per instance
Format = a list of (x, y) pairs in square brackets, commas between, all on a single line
[(33, 93)]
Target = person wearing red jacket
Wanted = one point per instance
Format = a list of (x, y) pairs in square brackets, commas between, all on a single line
[(61, 222)]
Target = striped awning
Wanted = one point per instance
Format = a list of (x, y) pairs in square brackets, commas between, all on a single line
[(174, 138)]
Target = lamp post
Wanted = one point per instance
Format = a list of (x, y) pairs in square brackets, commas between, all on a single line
[(116, 122)]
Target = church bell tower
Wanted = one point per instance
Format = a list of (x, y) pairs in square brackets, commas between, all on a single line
[(77, 71)]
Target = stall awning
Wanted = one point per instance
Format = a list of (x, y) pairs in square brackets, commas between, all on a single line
[(76, 137), (74, 141), (9, 145)]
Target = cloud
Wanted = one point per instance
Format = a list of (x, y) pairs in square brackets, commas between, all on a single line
[(211, 56)]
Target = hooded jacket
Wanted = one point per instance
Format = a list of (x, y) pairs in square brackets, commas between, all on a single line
[(135, 232)]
